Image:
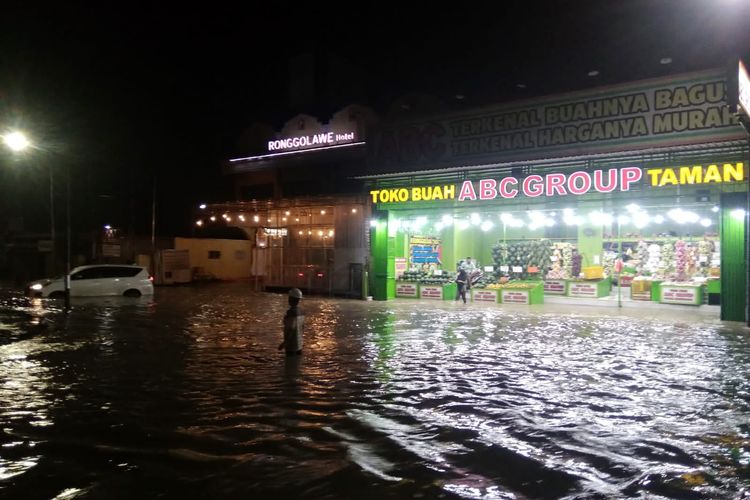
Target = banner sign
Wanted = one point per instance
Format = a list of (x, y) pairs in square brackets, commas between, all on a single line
[(563, 184), (671, 111), (431, 292), (690, 295), (515, 296), (407, 290), (424, 250), (480, 295)]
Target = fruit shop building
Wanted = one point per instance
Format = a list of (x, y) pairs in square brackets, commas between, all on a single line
[(643, 185)]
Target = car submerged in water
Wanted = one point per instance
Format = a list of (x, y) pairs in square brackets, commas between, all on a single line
[(97, 281)]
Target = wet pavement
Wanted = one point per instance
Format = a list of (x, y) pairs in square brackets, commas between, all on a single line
[(184, 395)]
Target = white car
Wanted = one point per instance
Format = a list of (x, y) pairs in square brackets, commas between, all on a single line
[(97, 280)]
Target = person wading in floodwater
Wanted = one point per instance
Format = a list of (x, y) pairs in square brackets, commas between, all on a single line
[(462, 283), (293, 325)]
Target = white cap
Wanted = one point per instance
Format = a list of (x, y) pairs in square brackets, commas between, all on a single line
[(296, 293)]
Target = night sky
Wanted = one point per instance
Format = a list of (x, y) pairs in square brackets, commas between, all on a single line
[(126, 96)]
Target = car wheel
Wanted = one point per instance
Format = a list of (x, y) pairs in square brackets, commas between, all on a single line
[(57, 295), (132, 293)]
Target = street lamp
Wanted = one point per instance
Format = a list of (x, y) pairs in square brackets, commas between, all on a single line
[(18, 142)]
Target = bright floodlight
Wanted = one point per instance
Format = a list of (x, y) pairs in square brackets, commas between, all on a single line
[(16, 141), (738, 213)]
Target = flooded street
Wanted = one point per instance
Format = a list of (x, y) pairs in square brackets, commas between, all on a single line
[(185, 396)]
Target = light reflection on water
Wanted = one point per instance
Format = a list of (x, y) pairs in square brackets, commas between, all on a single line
[(186, 394)]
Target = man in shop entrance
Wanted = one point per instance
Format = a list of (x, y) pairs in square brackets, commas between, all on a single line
[(468, 265)]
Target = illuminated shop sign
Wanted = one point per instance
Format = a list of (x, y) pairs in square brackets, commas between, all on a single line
[(728, 172), (276, 232), (743, 88), (311, 141), (559, 184)]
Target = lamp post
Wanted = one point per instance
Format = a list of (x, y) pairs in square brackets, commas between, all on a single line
[(17, 142)]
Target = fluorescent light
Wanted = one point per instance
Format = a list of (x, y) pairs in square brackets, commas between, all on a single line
[(714, 208), (447, 220), (705, 222), (632, 208), (659, 219), (738, 213), (486, 226), (439, 226), (475, 219)]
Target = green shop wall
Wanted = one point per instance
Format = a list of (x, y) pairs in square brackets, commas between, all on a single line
[(733, 258)]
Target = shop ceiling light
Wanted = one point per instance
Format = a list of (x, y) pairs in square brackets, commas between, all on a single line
[(439, 226), (714, 208), (486, 226), (475, 219), (256, 218), (228, 219), (632, 208), (373, 223), (705, 222), (199, 223), (623, 219), (600, 218), (537, 217), (549, 222), (213, 218), (568, 212), (738, 213), (242, 218), (659, 219), (330, 232), (395, 223), (202, 206), (354, 210), (463, 224), (447, 220), (516, 223), (691, 217), (506, 217), (676, 215), (641, 219)]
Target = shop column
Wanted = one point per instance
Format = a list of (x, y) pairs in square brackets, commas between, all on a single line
[(733, 258)]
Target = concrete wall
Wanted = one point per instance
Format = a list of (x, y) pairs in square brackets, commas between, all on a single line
[(234, 262)]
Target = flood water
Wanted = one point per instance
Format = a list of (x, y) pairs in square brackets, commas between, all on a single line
[(185, 396)]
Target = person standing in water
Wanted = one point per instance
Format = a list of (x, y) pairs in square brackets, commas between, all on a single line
[(462, 282), (293, 325)]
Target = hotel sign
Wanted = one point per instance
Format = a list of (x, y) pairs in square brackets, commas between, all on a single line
[(672, 111), (560, 184), (313, 141)]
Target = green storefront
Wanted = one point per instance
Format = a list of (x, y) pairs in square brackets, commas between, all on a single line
[(644, 185)]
